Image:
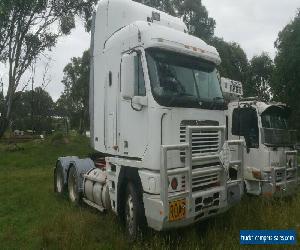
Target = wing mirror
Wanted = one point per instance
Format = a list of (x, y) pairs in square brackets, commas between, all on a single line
[(129, 79), (128, 75)]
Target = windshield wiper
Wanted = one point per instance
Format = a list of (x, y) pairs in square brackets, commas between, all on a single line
[(177, 95), (218, 98), (215, 102)]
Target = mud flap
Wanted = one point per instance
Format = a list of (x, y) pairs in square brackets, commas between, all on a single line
[(267, 189), (233, 194)]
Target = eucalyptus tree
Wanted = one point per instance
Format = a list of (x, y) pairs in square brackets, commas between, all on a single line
[(192, 12), (30, 28), (286, 80), (74, 102)]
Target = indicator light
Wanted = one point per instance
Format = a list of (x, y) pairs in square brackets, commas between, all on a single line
[(174, 183)]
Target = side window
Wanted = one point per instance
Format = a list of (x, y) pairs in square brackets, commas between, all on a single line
[(235, 129), (110, 78), (245, 123), (139, 86)]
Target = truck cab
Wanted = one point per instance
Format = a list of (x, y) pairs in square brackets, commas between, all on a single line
[(157, 119), (270, 158)]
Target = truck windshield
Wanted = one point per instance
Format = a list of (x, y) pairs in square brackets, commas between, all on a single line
[(275, 118), (179, 80), (275, 131)]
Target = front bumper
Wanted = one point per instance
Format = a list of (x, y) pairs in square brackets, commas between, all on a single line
[(284, 182), (202, 205), (207, 191)]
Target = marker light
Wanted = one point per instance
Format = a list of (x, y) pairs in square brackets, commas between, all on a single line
[(174, 183), (155, 16), (256, 174)]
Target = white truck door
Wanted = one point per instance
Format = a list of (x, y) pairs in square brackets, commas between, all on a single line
[(133, 119), (110, 110)]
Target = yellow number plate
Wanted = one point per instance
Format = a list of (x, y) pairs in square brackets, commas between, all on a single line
[(177, 210)]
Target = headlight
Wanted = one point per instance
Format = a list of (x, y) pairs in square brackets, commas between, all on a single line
[(256, 174), (267, 176), (291, 161)]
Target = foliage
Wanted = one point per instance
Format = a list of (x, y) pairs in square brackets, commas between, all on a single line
[(261, 70), (2, 101), (59, 138), (74, 102), (286, 84), (168, 6), (192, 12), (234, 60), (28, 29), (33, 110), (196, 17)]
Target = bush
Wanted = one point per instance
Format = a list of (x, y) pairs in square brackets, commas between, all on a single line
[(59, 138)]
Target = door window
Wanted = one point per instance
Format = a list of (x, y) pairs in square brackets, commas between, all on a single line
[(139, 85), (245, 123)]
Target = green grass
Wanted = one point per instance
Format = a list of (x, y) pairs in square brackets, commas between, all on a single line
[(32, 216)]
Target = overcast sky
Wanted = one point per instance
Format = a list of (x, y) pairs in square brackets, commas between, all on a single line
[(253, 24)]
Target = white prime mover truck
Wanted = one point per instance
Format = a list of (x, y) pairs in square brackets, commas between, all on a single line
[(270, 158), (157, 121)]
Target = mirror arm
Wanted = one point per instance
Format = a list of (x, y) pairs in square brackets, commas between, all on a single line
[(135, 109), (247, 142), (141, 100)]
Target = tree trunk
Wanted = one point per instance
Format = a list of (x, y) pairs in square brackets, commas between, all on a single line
[(3, 126), (5, 116)]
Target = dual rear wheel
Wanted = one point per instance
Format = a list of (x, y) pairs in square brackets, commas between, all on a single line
[(72, 184), (59, 183), (134, 215)]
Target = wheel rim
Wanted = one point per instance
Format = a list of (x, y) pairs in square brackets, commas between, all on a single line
[(129, 215), (59, 184), (73, 187)]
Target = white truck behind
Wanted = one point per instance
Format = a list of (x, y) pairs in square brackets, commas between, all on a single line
[(270, 158), (157, 121)]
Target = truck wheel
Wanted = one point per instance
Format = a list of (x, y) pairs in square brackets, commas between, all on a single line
[(59, 185), (134, 213), (74, 194)]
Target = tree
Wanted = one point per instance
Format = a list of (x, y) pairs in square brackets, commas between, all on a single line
[(75, 100), (234, 60), (195, 15), (33, 110), (28, 29), (168, 6), (261, 70), (192, 12), (2, 101), (286, 84)]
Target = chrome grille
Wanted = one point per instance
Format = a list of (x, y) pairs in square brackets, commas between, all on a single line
[(207, 202), (279, 175), (278, 137), (203, 142), (204, 182), (291, 174)]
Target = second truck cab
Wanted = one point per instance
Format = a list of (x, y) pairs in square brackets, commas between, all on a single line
[(270, 158)]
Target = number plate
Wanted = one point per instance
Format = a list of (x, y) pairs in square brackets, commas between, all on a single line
[(177, 210)]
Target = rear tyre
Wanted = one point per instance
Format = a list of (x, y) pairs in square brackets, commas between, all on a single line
[(59, 184), (134, 213), (73, 186)]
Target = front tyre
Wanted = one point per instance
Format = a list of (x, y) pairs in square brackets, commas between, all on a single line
[(59, 184), (134, 212), (73, 188)]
